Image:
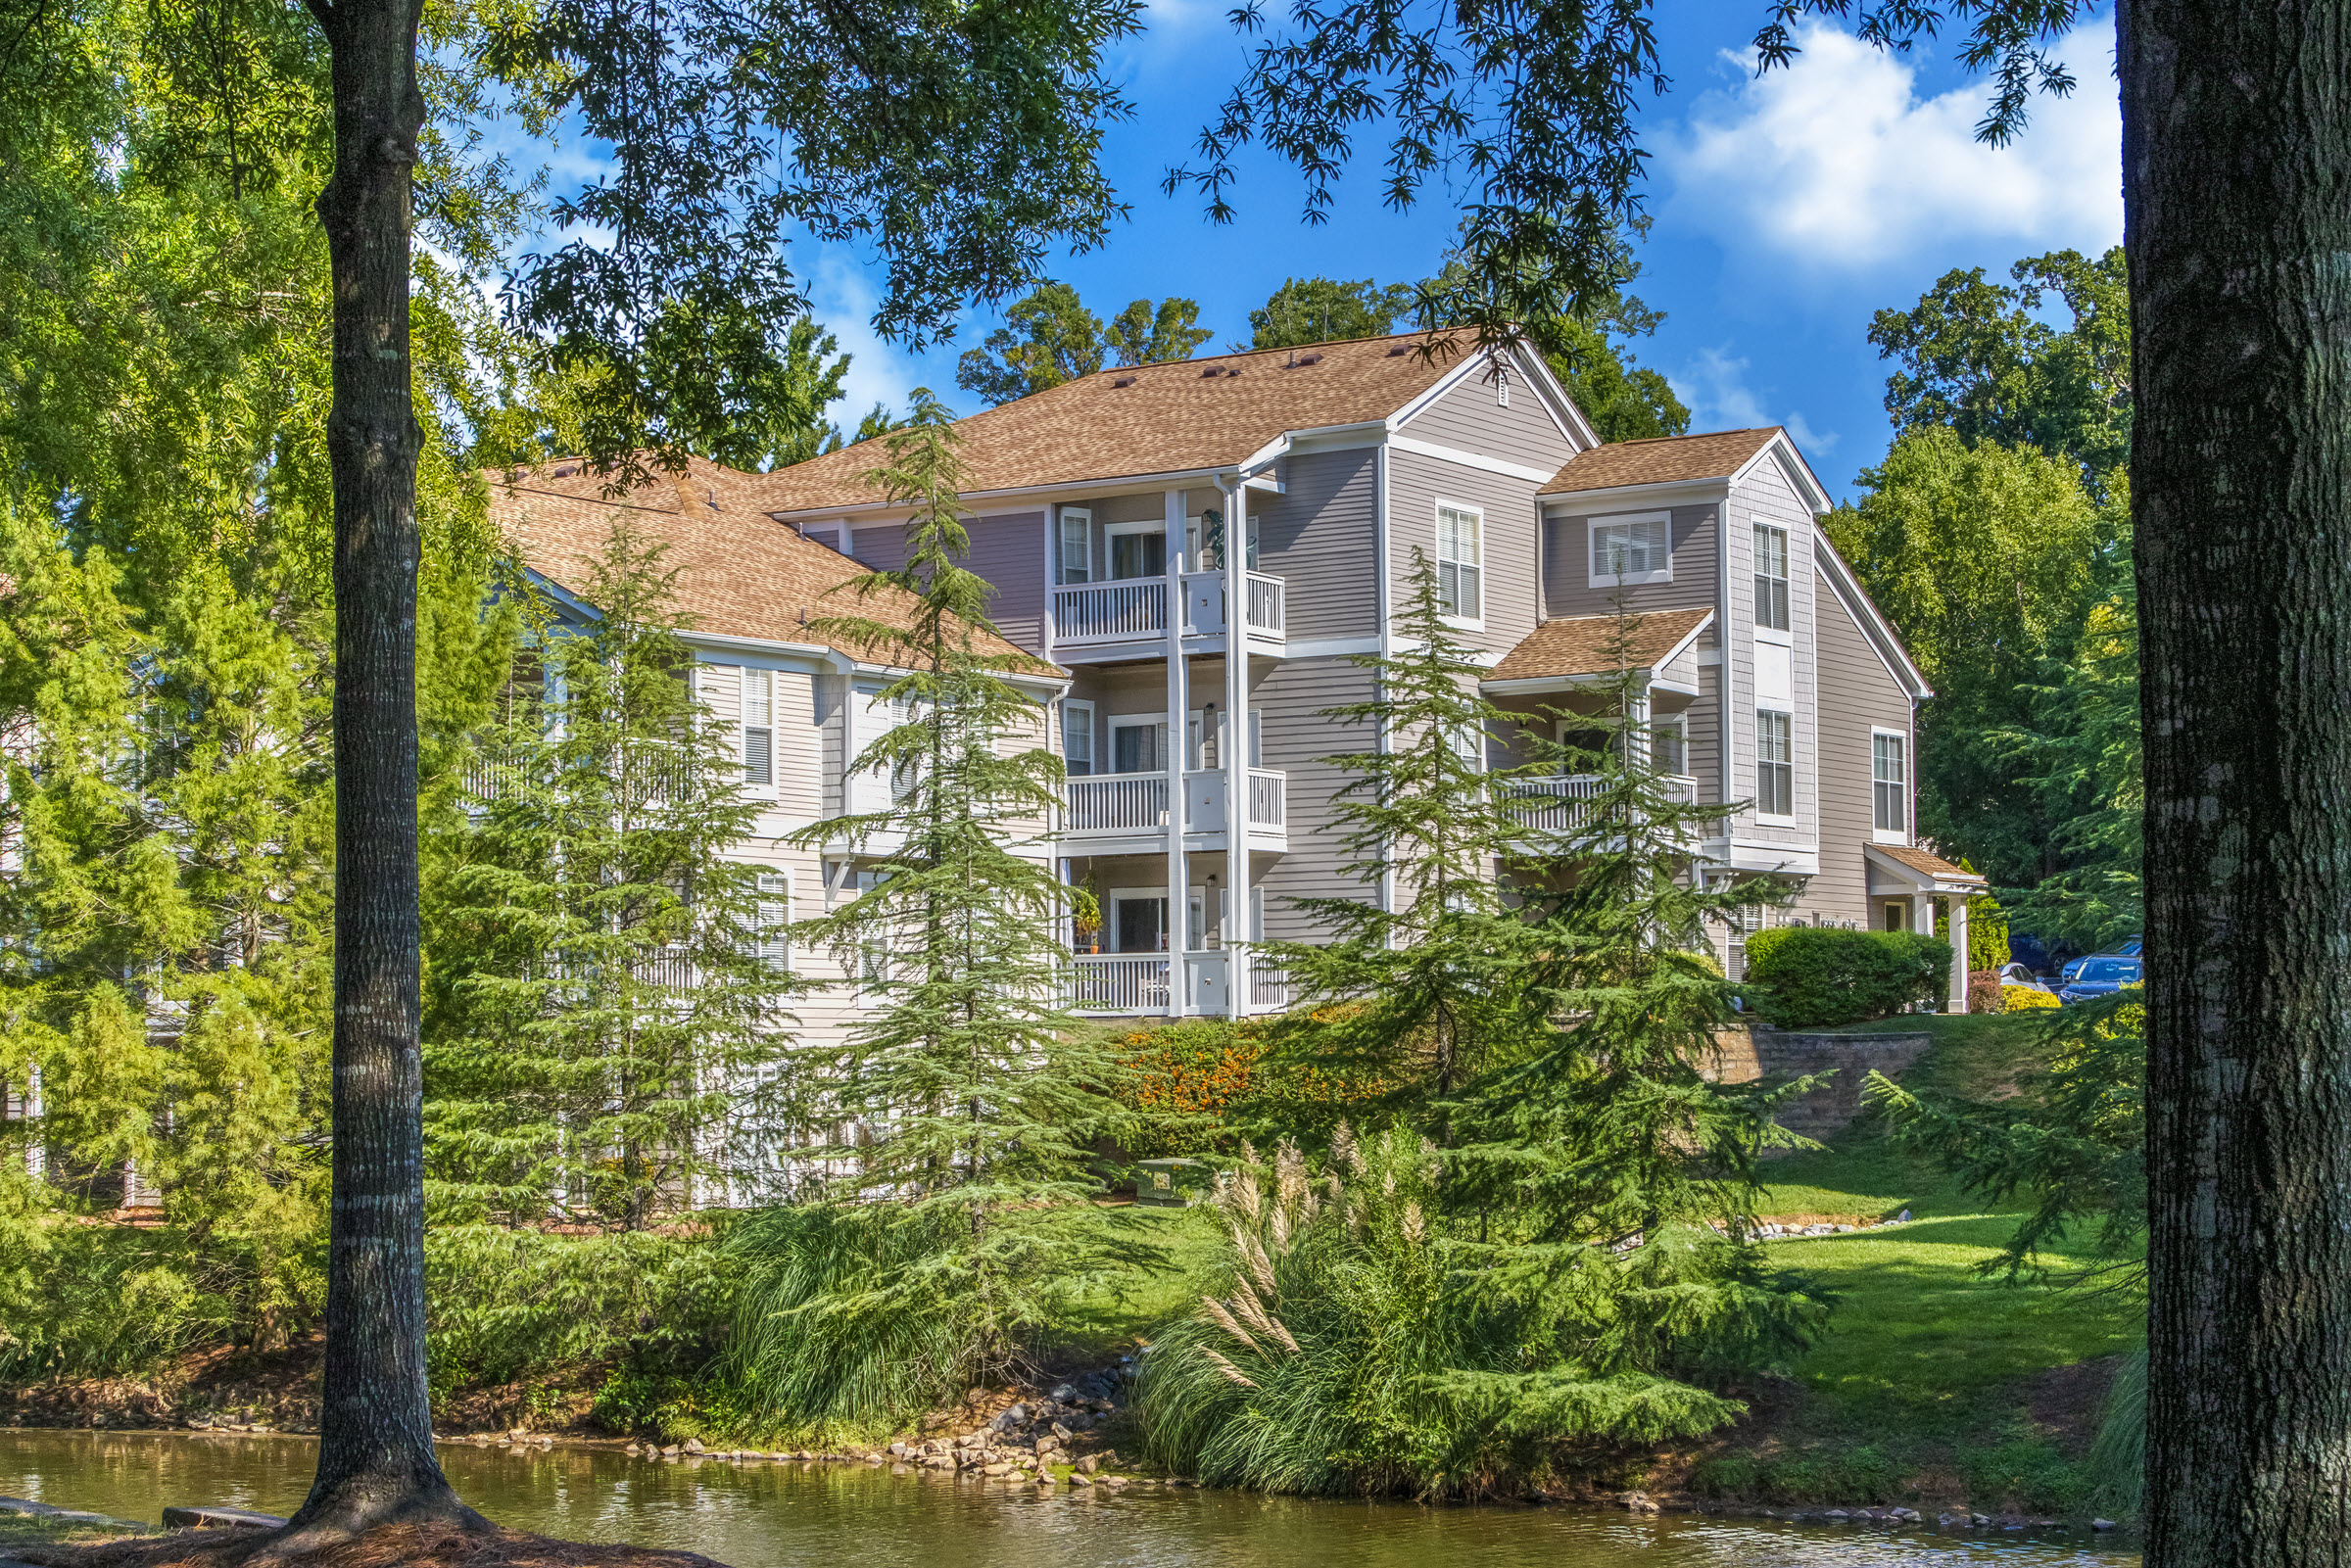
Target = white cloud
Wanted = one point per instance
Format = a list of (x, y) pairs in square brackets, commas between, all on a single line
[(1714, 388), (843, 298), (1838, 162)]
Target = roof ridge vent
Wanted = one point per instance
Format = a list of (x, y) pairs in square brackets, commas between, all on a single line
[(1398, 351), (1122, 381)]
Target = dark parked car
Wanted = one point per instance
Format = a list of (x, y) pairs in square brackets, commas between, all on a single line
[(2101, 974)]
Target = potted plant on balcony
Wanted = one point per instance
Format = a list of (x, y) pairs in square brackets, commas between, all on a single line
[(1086, 921)]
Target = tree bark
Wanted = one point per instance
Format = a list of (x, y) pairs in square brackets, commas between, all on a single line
[(2236, 170), (375, 1443)]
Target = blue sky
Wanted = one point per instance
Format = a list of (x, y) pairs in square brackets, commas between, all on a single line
[(1787, 211)]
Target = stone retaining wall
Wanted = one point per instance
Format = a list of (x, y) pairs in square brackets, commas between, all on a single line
[(1744, 1054)]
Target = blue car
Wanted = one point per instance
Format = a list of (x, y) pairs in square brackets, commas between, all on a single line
[(2101, 974)]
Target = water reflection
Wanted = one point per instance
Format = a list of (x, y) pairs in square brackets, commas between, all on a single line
[(848, 1516)]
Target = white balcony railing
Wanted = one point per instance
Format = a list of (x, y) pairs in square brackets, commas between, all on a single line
[(1265, 611), (1562, 805), (1111, 612), (1120, 982), (1268, 988), (1268, 798), (1116, 802)]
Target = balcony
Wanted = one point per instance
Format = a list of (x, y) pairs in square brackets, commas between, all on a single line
[(1550, 807), (1139, 984), (1131, 613), (1111, 806)]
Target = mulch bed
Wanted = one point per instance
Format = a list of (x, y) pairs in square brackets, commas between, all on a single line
[(428, 1546)]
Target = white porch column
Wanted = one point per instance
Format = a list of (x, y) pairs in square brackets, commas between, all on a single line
[(1959, 903), (1235, 754), (1922, 913), (1180, 712)]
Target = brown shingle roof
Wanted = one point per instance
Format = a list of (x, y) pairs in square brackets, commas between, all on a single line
[(1665, 459), (1928, 864), (1586, 644), (1172, 417), (739, 573)]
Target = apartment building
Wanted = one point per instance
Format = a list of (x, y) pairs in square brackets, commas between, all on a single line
[(1194, 552)]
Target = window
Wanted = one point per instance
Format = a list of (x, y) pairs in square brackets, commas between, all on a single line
[(1078, 737), (1076, 545), (758, 729), (1889, 782), (1468, 743), (1139, 744), (1898, 917), (1459, 589), (1775, 763), (1632, 550), (1669, 745), (1137, 550), (1771, 578), (774, 919), (1257, 738)]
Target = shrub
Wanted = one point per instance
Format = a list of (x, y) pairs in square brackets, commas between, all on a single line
[(2023, 998), (1803, 977), (1984, 992)]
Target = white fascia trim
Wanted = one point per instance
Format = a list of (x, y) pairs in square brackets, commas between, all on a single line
[(1920, 881), (812, 654), (1884, 640), (1808, 484), (1683, 646), (1106, 485), (1575, 426), (1043, 687), (562, 595), (1748, 854), (1330, 648), (1420, 405), (1531, 684), (1663, 493), (1470, 459)]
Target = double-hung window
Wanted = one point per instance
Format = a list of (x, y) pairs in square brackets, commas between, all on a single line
[(1632, 550), (1077, 736), (1076, 545), (1460, 575), (1771, 578), (774, 919), (1775, 763), (1669, 745), (758, 729), (1889, 782)]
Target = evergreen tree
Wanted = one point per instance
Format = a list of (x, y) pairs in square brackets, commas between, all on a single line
[(605, 1022), (978, 1093), (1421, 980)]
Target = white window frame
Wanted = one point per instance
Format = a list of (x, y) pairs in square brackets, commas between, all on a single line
[(1775, 819), (1679, 724), (833, 536), (1786, 579), (1119, 895), (1878, 833), (1110, 531), (1094, 735), (756, 677), (1474, 618), (1112, 724), (1594, 526), (1064, 572), (774, 919)]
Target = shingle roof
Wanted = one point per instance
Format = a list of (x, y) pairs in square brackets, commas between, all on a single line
[(1167, 418), (1928, 864), (1717, 455), (739, 573), (1586, 644)]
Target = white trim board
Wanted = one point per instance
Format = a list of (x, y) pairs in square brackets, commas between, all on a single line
[(1468, 460)]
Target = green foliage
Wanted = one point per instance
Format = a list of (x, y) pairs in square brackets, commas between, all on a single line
[(600, 1016), (2071, 1141), (2118, 1454), (1050, 337), (1350, 1352), (1325, 310), (1809, 977), (1989, 558)]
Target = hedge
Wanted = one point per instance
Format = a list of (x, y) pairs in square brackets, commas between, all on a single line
[(1807, 977)]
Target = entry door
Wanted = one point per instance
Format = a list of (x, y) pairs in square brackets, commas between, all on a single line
[(1138, 554), (1141, 924)]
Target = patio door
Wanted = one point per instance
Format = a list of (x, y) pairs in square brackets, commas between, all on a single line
[(1137, 550), (1139, 923)]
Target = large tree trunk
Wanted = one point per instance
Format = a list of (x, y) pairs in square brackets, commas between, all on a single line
[(2236, 170), (375, 1441)]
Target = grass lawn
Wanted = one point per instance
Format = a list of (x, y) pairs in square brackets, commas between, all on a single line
[(1933, 1380), (1106, 1312), (47, 1530)]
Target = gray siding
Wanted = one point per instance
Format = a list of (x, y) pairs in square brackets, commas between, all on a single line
[(880, 546), (1511, 589), (1856, 693), (1009, 552), (1292, 694), (1470, 417), (1766, 495), (1567, 588), (1321, 537), (1704, 727)]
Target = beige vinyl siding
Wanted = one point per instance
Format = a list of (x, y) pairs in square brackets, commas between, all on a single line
[(1321, 538), (1567, 588), (827, 692), (1292, 694), (1856, 693), (1470, 417), (1507, 538), (1009, 552), (799, 750)]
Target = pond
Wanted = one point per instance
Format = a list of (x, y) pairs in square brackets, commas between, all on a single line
[(850, 1516)]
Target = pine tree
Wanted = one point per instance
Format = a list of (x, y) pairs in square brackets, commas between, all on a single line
[(977, 1088), (1421, 982), (604, 1026)]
